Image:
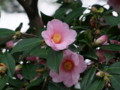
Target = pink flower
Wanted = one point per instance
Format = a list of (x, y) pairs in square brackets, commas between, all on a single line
[(70, 69), (10, 44), (101, 40), (115, 4), (32, 58), (58, 35)]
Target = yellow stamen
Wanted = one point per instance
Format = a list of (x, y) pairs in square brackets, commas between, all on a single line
[(56, 38), (68, 65)]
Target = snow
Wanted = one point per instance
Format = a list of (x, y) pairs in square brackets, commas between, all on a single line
[(12, 20)]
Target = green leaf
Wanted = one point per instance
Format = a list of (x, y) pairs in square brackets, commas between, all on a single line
[(91, 54), (60, 13), (111, 47), (17, 83), (54, 59), (26, 44), (35, 83), (6, 32), (9, 61), (111, 20), (109, 56), (55, 86), (114, 68), (74, 14), (40, 52), (3, 81), (115, 81), (19, 27), (29, 71), (96, 85), (88, 78)]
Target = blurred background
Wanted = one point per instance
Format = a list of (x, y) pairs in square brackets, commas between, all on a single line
[(12, 14)]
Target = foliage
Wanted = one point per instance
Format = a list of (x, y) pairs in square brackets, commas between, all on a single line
[(103, 70)]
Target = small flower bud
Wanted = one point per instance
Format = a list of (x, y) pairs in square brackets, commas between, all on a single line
[(97, 32), (100, 74), (32, 58), (18, 67), (94, 9), (3, 68), (10, 44), (20, 76), (106, 79), (101, 40)]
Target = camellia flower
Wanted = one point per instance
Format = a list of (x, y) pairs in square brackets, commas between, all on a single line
[(58, 35), (71, 67), (115, 4), (101, 40)]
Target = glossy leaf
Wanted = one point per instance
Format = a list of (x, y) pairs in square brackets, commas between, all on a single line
[(54, 59), (115, 81), (88, 78), (111, 47), (114, 68), (26, 44), (97, 85), (9, 61), (29, 71), (6, 32), (3, 81)]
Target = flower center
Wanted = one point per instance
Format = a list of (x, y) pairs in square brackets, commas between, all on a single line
[(68, 65), (56, 38)]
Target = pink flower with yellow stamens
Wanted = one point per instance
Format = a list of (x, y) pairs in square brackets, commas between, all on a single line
[(58, 35), (71, 67)]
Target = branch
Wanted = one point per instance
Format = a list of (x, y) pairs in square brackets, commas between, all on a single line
[(26, 7)]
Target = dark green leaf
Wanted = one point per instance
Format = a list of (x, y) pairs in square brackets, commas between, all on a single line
[(96, 85), (29, 71), (3, 81), (60, 13), (111, 20), (74, 14), (35, 83), (115, 81), (40, 52), (16, 83), (6, 32), (8, 60), (88, 78), (54, 59), (109, 56), (114, 68), (26, 44), (19, 27), (111, 47), (55, 86)]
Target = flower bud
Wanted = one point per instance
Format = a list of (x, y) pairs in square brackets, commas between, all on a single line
[(10, 44), (100, 74), (18, 67), (101, 40), (106, 79), (94, 9), (20, 76), (3, 68), (32, 58)]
